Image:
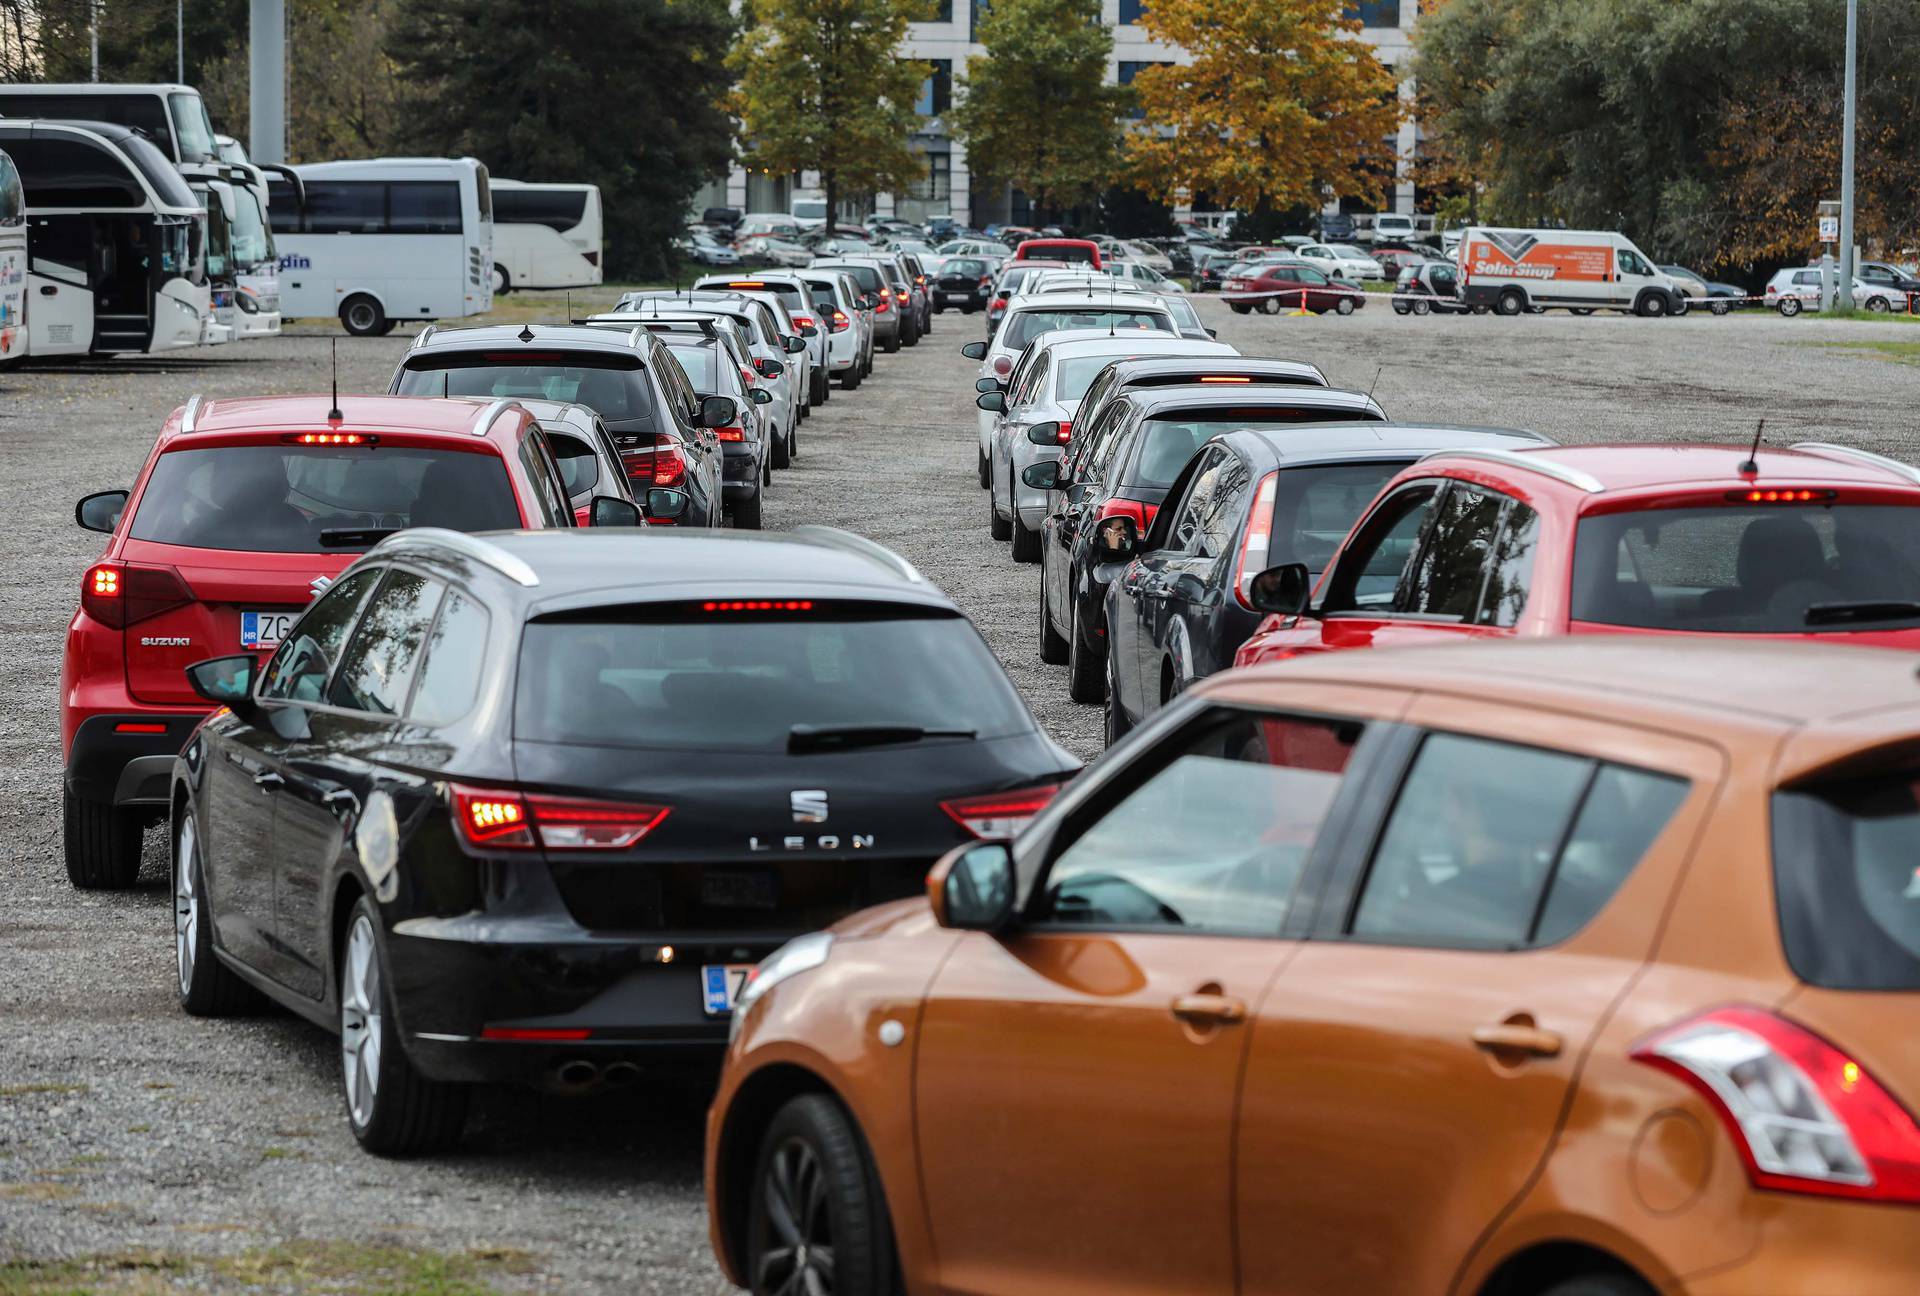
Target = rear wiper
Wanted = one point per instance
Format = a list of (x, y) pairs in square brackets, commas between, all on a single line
[(354, 537), (813, 738), (1865, 610)]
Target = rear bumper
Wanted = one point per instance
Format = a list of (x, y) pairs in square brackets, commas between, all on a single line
[(122, 768), (1816, 1246)]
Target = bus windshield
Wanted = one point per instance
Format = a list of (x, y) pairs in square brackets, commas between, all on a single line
[(191, 129), (219, 233), (252, 240)]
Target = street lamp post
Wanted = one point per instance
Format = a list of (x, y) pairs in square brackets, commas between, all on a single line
[(1846, 164)]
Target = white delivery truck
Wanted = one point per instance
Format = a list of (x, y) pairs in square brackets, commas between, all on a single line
[(1513, 270)]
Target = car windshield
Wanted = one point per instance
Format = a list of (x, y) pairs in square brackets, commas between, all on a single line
[(286, 499), (810, 209), (682, 678), (1028, 325), (1167, 443), (614, 391), (1751, 569), (1845, 882)]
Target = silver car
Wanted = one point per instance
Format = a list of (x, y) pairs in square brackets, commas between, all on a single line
[(887, 317), (847, 325), (791, 292), (1042, 396)]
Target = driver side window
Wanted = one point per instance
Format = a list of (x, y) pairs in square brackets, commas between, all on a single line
[(1215, 839), (298, 671)]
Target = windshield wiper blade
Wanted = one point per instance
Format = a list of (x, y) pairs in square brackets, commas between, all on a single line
[(354, 537), (1865, 610), (840, 737)]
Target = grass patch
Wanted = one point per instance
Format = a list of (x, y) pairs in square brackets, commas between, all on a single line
[(40, 1192), (280, 1154), (1902, 351), (128, 1272), (294, 1269), (30, 1090)]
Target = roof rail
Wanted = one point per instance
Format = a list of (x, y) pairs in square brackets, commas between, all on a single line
[(1828, 450), (1533, 461), (834, 537), (484, 423), (481, 551), (634, 338), (190, 419), (420, 338)]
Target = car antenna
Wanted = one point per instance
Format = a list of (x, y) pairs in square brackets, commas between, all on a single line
[(1376, 380), (569, 303), (1751, 468), (526, 333), (333, 413)]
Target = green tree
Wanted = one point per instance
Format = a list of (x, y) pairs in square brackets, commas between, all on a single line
[(137, 39), (1036, 110), (625, 94), (821, 89)]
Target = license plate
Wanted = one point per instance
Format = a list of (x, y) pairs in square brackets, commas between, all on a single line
[(265, 629), (738, 888), (721, 984)]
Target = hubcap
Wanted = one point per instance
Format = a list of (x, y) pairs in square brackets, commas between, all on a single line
[(799, 1254), (360, 1004), (186, 906), (362, 317)]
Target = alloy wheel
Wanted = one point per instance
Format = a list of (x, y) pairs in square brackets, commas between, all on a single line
[(186, 905), (360, 1008), (800, 1258)]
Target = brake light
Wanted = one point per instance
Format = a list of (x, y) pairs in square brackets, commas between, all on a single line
[(1140, 511), (1065, 434), (1223, 379), (1000, 814), (1790, 495), (331, 438), (757, 605), (118, 595), (660, 464), (730, 434), (523, 357), (803, 321), (1805, 1117), (882, 306), (748, 376), (986, 281), (507, 820), (902, 294), (840, 321), (535, 1034), (1258, 544), (139, 727)]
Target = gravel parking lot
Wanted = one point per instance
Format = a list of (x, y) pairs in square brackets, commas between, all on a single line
[(141, 1149)]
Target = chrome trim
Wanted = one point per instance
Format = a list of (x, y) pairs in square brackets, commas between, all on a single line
[(420, 339), (441, 1038), (1828, 450), (491, 555), (191, 419), (847, 541), (494, 409), (1530, 460)]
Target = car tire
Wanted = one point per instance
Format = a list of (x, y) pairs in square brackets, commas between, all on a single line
[(1878, 305), (1401, 308), (985, 472), (1580, 310), (1344, 306), (206, 986), (822, 389), (1422, 307), (998, 527), (1114, 724), (1238, 308), (361, 316), (1790, 306), (1720, 307), (1597, 1284), (746, 513), (102, 843), (1482, 309), (1682, 304), (391, 1108), (816, 1212), (1053, 645), (1270, 306), (780, 456), (1026, 541), (1650, 306), (502, 281), (1511, 302), (893, 343), (1086, 674)]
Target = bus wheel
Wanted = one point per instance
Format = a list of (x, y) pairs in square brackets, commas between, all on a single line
[(502, 281), (361, 316)]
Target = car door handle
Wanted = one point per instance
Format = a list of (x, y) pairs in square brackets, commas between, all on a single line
[(1210, 1009), (268, 781), (1517, 1037)]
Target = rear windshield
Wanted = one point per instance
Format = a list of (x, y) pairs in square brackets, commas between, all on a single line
[(1314, 508), (1065, 252), (741, 682), (823, 295), (866, 276), (698, 361), (1736, 569), (1847, 882), (1167, 443), (287, 499), (789, 295), (963, 266), (1028, 325), (615, 389)]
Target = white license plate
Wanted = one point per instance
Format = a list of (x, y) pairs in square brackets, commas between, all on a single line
[(720, 986), (265, 629)]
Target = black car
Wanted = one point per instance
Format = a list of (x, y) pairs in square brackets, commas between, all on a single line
[(1149, 372), (1433, 286), (506, 810), (746, 465), (664, 429), (965, 282), (1121, 466), (1249, 500)]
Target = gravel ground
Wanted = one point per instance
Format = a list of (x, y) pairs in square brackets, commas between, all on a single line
[(144, 1151)]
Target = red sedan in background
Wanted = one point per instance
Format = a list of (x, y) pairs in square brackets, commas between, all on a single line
[(1817, 541), (1291, 286)]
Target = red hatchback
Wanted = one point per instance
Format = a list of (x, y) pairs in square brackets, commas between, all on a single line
[(244, 512), (1816, 541)]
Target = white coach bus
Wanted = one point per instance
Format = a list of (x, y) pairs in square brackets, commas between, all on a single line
[(13, 264), (545, 235), (381, 240)]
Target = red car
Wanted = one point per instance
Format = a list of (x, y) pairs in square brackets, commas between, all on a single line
[(1291, 286), (244, 511), (1817, 541), (1072, 251)]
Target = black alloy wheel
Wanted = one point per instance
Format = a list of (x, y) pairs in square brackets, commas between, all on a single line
[(817, 1221)]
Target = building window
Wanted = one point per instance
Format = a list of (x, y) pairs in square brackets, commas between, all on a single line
[(936, 92), (1130, 70), (935, 182), (1371, 13), (1130, 11), (976, 11), (943, 12)]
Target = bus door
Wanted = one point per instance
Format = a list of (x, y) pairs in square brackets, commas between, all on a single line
[(60, 285)]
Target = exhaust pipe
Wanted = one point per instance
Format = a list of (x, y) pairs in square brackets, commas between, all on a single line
[(576, 1076), (620, 1073)]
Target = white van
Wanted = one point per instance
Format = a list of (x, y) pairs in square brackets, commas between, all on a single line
[(1513, 270)]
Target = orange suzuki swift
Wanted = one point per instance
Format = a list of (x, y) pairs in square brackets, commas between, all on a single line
[(1584, 967)]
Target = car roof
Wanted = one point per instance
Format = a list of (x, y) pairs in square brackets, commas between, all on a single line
[(1605, 469), (506, 337), (1074, 301), (1302, 443), (1073, 343), (1151, 400), (551, 412), (451, 415), (1223, 366)]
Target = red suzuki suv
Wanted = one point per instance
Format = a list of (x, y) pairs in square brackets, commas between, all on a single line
[(245, 510)]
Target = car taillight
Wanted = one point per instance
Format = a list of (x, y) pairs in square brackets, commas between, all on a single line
[(730, 434), (1141, 513), (120, 594), (1000, 814), (1064, 434), (986, 281), (803, 321), (660, 464), (498, 819), (1003, 365), (1806, 1117), (1254, 549), (748, 376), (903, 295), (882, 306), (839, 322)]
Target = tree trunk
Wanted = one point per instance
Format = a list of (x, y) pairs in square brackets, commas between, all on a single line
[(832, 187)]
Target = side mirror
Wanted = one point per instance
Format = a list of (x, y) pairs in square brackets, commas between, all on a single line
[(989, 384), (761, 396), (612, 511), (795, 345), (1117, 540), (1044, 475), (768, 368), (717, 411), (974, 350), (225, 681), (1213, 333), (992, 402), (101, 510), (1285, 589), (665, 504), (971, 888), (1046, 434), (868, 301)]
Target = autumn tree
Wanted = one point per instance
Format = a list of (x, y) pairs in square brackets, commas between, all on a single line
[(821, 89), (1036, 110), (1280, 103)]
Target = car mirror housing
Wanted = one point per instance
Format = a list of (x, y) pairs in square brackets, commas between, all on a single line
[(1045, 434), (993, 402), (716, 411), (974, 350), (101, 511), (1042, 476), (768, 368), (988, 384), (665, 504), (795, 345), (225, 681), (1285, 590), (612, 511), (972, 888), (761, 396)]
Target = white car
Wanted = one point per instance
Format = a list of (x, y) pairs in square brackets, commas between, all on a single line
[(1121, 250), (973, 247), (1393, 227), (1139, 272), (1792, 290), (1341, 260)]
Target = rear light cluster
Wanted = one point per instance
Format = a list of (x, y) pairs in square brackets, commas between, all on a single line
[(882, 306), (1790, 495), (1064, 433), (839, 322), (660, 464), (1255, 548), (331, 438), (1806, 1117), (803, 321), (119, 594), (730, 434), (757, 605), (497, 819), (1000, 814), (1141, 512)]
